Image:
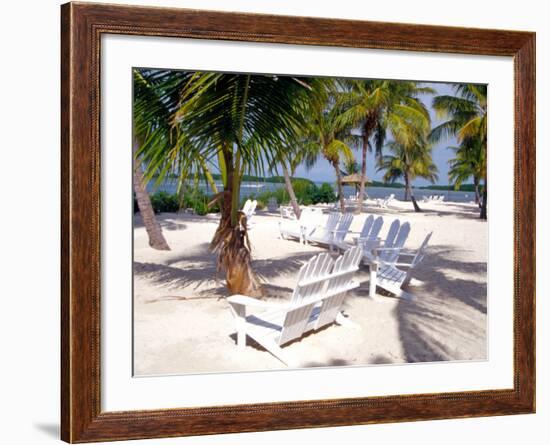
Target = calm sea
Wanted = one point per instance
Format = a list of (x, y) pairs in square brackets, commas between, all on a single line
[(251, 188)]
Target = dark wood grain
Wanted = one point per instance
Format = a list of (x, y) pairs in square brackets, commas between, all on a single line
[(81, 416)]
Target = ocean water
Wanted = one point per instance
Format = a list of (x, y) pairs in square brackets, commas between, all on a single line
[(251, 188)]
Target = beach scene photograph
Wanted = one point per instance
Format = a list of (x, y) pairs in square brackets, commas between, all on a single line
[(291, 222)]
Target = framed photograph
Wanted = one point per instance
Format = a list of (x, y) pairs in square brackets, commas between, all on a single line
[(274, 222)]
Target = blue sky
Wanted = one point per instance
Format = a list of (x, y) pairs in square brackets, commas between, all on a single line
[(323, 171)]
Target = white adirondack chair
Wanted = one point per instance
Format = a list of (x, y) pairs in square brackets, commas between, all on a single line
[(316, 302), (332, 233), (369, 243), (301, 228), (383, 203), (342, 229), (392, 277), (388, 251), (368, 238), (246, 207), (287, 213)]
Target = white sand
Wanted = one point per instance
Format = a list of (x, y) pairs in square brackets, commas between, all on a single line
[(183, 323)]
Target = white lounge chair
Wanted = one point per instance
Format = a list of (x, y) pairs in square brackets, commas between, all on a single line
[(333, 232), (316, 302), (392, 277), (300, 228), (383, 203)]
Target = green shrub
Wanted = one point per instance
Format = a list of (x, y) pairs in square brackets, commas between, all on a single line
[(164, 202), (326, 193)]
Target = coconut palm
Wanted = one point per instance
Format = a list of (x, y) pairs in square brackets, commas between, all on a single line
[(155, 98), (296, 152), (237, 123), (381, 106), (408, 162), (328, 135), (469, 162), (466, 115)]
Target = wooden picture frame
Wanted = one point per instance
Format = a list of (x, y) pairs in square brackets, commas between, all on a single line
[(82, 26)]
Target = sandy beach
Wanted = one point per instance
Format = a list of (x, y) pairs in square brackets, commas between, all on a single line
[(183, 324)]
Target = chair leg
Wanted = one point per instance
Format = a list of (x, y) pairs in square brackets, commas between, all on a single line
[(346, 322), (373, 268), (241, 338)]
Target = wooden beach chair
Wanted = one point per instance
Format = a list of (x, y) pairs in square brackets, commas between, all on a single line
[(383, 203), (368, 238), (333, 232), (316, 302), (394, 276), (300, 228), (395, 240)]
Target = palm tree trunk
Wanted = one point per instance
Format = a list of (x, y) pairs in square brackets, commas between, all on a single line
[(339, 186), (409, 192), (290, 190), (476, 189), (407, 195), (363, 173), (152, 226), (231, 241), (483, 212)]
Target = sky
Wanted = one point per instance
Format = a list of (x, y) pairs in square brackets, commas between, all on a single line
[(324, 172)]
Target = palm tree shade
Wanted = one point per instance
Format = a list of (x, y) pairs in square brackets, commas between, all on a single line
[(239, 124)]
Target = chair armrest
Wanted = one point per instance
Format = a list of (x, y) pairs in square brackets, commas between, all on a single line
[(339, 231), (243, 300), (363, 238), (388, 249)]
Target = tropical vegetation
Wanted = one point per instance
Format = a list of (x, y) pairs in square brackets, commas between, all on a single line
[(382, 108), (408, 162), (466, 119), (223, 129)]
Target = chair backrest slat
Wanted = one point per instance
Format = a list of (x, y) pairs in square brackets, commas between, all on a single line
[(392, 233), (421, 250), (367, 226), (342, 228), (399, 242), (337, 275), (376, 228), (346, 266)]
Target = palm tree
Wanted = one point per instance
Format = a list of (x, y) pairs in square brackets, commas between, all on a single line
[(467, 118), (238, 123), (327, 134), (155, 97), (469, 162), (408, 162), (379, 106)]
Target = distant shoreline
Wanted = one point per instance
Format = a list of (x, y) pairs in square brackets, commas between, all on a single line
[(372, 184)]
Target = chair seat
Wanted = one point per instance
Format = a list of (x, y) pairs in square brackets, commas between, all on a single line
[(290, 228), (391, 275), (268, 324)]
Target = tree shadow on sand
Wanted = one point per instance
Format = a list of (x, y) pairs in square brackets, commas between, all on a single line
[(445, 308), (199, 271)]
